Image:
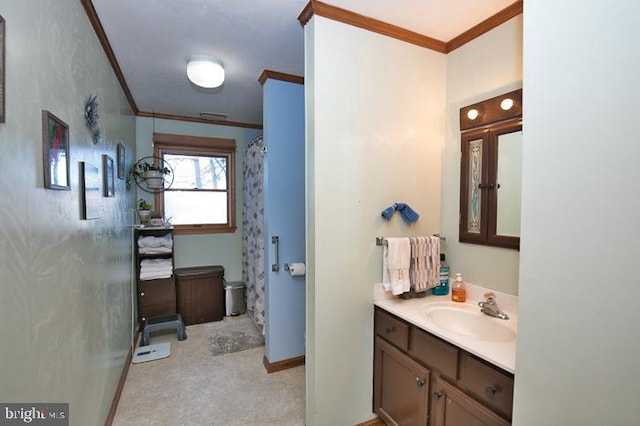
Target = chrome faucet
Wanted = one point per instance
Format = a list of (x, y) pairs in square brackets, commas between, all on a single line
[(490, 307)]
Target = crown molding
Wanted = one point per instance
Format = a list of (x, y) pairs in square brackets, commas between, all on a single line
[(106, 46), (355, 19), (351, 18), (198, 120), (276, 75), (485, 26)]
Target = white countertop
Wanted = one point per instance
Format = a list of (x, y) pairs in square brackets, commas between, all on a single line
[(501, 354)]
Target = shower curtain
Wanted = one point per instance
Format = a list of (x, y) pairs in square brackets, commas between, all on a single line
[(252, 230)]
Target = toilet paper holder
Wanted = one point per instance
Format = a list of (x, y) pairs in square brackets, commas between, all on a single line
[(295, 269)]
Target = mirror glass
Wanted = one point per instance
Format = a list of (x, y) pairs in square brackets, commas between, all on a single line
[(509, 179)]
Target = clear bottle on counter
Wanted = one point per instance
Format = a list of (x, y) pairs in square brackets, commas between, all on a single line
[(443, 288), (459, 292)]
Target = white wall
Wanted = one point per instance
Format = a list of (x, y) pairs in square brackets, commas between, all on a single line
[(579, 340), (205, 249), (486, 67), (65, 283), (375, 131)]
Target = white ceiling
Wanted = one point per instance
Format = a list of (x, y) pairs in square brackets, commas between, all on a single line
[(153, 39)]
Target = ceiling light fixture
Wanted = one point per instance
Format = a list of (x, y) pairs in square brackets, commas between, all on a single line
[(205, 71), (472, 114)]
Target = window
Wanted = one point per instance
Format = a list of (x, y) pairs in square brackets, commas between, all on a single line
[(201, 198)]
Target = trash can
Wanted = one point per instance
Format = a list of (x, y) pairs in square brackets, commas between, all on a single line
[(234, 298)]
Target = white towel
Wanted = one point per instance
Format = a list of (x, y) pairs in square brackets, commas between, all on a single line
[(155, 268), (395, 265), (154, 250), (151, 241), (154, 275)]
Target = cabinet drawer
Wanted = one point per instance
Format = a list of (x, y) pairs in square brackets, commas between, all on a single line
[(391, 329), (434, 353), (491, 386)]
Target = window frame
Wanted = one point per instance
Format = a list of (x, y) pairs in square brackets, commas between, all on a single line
[(164, 143)]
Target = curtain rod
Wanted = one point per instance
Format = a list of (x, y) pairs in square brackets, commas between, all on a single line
[(254, 141)]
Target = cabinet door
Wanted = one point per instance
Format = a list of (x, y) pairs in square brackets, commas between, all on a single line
[(156, 297), (400, 387), (452, 407)]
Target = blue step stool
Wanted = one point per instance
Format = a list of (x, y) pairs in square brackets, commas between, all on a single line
[(163, 322)]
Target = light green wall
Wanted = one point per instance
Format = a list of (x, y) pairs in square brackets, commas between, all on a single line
[(65, 283), (382, 126), (578, 337), (375, 131), (483, 68), (206, 249)]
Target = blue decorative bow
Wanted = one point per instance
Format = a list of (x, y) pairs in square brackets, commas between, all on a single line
[(407, 212)]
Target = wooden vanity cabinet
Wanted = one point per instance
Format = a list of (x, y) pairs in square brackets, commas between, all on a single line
[(420, 379)]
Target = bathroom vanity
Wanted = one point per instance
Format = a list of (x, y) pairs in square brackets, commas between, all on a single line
[(429, 374)]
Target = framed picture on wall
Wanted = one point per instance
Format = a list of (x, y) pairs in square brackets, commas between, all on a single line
[(55, 152), (108, 176), (89, 191), (121, 160)]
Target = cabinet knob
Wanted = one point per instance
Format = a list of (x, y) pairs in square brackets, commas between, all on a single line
[(142, 293), (490, 391), (419, 382), (388, 330), (437, 395)]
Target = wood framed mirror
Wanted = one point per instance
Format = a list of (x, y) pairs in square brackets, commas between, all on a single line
[(490, 171)]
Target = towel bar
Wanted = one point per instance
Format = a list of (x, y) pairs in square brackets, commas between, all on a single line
[(381, 241)]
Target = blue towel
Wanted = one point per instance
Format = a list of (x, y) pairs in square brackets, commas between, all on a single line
[(407, 212), (388, 212)]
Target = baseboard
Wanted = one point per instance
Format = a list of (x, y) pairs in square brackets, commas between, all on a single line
[(373, 422), (282, 365), (123, 377)]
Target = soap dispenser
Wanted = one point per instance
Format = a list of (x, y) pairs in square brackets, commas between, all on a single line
[(459, 292)]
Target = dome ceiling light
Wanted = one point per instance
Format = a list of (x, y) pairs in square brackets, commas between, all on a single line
[(205, 71)]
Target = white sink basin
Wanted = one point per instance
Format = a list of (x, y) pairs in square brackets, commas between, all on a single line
[(467, 320)]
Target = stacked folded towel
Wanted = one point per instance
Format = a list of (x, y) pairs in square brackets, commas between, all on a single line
[(151, 269), (154, 245)]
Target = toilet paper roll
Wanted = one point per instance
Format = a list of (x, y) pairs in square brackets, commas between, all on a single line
[(297, 269)]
